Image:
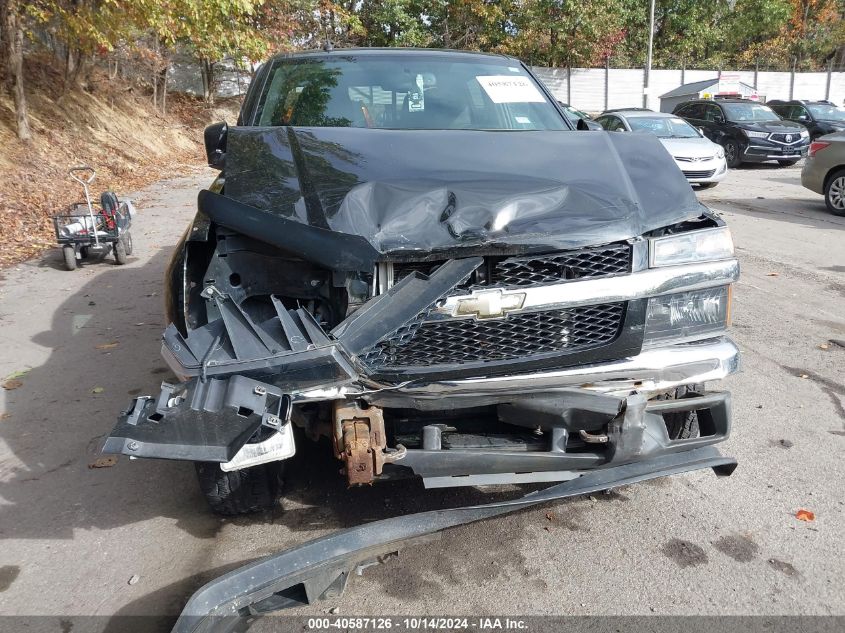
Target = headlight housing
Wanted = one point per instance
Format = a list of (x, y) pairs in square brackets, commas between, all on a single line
[(691, 247), (720, 152), (687, 315), (805, 133), (753, 134)]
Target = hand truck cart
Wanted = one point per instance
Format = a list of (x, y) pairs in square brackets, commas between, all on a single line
[(85, 230)]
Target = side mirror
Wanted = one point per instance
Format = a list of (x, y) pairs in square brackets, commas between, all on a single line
[(586, 124), (803, 117), (215, 144), (700, 131)]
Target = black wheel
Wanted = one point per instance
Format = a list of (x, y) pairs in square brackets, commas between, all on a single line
[(732, 154), (240, 491), (83, 252), (127, 242), (834, 193), (683, 425), (787, 163), (69, 253), (707, 185), (119, 248)]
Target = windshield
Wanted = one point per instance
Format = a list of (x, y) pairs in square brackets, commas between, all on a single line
[(749, 112), (827, 112), (664, 127), (431, 92)]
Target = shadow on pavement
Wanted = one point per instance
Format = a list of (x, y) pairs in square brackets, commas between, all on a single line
[(105, 342)]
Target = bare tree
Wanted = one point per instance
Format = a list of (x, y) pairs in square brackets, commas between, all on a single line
[(12, 29)]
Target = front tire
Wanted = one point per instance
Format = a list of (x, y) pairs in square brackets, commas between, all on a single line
[(120, 255), (683, 425), (834, 193), (707, 185), (732, 154), (69, 254), (127, 242), (241, 491)]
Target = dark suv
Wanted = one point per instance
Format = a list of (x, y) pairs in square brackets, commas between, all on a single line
[(749, 131), (819, 117)]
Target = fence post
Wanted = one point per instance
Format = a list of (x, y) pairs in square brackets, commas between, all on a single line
[(756, 71), (792, 77), (568, 85), (829, 73), (683, 73), (607, 81)]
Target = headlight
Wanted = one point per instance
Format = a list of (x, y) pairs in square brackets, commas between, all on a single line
[(691, 247), (753, 134), (687, 315), (804, 134), (720, 152)]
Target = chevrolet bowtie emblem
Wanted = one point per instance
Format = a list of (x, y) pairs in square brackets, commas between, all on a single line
[(489, 304)]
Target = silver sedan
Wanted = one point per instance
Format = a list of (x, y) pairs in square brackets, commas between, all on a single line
[(701, 160)]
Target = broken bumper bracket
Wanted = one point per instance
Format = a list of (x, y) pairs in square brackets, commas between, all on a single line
[(320, 568)]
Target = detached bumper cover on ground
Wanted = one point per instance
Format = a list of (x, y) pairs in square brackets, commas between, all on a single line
[(320, 569)]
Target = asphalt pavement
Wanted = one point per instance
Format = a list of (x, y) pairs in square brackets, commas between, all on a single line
[(135, 538)]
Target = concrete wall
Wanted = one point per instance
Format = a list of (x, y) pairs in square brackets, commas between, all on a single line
[(595, 89)]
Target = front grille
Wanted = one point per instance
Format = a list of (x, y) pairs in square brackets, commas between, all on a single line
[(689, 159), (517, 336), (611, 259), (794, 137), (699, 174)]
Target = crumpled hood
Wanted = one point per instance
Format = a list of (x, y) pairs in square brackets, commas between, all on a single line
[(423, 190)]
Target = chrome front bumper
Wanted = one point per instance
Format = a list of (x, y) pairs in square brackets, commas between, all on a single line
[(652, 372)]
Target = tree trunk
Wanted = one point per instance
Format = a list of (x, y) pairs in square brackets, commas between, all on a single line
[(207, 69), (164, 90), (13, 49)]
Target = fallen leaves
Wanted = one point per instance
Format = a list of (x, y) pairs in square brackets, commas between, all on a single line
[(805, 515), (111, 345), (772, 274), (13, 380), (103, 462), (36, 185), (97, 390)]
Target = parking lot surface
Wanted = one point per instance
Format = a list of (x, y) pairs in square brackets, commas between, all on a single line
[(136, 537)]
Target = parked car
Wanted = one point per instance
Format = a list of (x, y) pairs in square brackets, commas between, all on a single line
[(824, 170), (750, 132), (819, 117), (575, 116), (413, 255), (701, 160)]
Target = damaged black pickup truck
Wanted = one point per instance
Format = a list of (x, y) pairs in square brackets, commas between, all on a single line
[(413, 254)]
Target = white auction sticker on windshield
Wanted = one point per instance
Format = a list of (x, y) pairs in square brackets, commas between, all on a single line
[(510, 89)]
